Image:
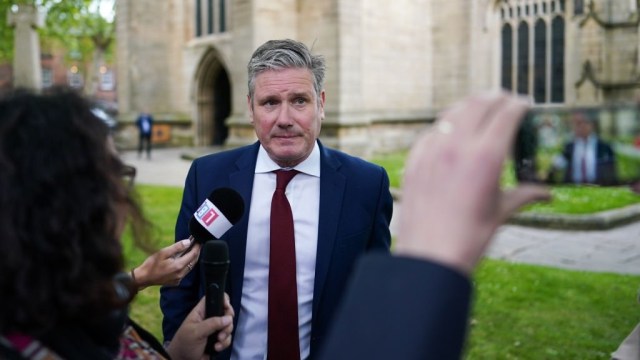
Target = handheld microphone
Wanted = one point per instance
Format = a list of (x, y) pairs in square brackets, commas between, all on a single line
[(214, 264), (217, 214)]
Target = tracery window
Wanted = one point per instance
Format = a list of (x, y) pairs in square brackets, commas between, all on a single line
[(533, 55)]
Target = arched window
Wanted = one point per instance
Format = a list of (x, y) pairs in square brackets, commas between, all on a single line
[(557, 60), (507, 57), (523, 58), (540, 61)]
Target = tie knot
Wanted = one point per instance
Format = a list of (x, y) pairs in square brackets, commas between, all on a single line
[(283, 177)]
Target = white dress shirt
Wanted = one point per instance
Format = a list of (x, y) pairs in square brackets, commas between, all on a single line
[(303, 193), (584, 148)]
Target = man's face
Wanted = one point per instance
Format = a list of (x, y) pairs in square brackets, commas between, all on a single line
[(286, 114), (582, 127)]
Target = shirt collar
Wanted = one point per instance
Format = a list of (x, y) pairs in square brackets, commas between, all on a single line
[(309, 166), (590, 140)]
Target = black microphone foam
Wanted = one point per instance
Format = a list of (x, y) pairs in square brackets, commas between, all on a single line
[(214, 265), (230, 204)]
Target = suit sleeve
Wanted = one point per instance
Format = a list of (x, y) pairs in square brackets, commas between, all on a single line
[(381, 235), (177, 301), (401, 308)]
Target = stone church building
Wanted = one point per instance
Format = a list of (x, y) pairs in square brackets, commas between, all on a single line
[(391, 65)]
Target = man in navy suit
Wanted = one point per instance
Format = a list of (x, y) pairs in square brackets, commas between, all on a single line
[(586, 159), (341, 208)]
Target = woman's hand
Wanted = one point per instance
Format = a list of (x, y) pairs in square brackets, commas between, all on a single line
[(166, 267)]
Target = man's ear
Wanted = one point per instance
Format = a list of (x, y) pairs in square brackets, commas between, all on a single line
[(322, 100), (250, 107)]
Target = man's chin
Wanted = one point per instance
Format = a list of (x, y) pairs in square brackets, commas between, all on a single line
[(288, 157)]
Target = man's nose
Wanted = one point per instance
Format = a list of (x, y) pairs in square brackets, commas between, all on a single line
[(284, 116)]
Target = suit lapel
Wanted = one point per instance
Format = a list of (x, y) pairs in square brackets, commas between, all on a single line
[(242, 181), (332, 184)]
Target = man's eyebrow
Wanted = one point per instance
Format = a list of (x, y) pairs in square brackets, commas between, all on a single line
[(267, 97), (300, 94)]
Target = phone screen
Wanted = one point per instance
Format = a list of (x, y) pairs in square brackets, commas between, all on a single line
[(580, 146)]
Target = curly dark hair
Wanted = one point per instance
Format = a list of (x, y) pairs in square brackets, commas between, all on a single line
[(62, 201)]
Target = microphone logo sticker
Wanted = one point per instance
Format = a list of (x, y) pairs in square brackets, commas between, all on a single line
[(207, 214)]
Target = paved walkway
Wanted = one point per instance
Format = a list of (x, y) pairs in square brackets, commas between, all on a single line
[(616, 250)]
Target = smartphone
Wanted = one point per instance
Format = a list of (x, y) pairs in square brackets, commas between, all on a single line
[(579, 146)]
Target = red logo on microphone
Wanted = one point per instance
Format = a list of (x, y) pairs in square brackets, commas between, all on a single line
[(207, 214)]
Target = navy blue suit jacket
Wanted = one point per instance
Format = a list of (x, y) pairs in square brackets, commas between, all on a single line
[(354, 216), (605, 163), (400, 308)]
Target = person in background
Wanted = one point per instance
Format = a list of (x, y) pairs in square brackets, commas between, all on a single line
[(144, 122), (415, 303), (288, 268), (63, 207), (586, 159)]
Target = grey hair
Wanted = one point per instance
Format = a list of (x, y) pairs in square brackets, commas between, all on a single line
[(285, 54)]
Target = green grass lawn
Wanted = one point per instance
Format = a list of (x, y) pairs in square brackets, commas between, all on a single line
[(520, 312), (160, 205), (534, 312)]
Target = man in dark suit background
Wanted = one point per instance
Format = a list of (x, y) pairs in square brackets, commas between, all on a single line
[(144, 122), (341, 208), (587, 159)]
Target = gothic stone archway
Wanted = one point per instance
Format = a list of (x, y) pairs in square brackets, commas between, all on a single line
[(213, 100)]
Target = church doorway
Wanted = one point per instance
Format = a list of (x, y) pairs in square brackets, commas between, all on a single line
[(213, 100)]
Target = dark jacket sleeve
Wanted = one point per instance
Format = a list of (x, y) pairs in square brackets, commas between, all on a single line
[(381, 239), (401, 308)]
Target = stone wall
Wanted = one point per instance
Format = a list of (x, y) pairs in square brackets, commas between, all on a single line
[(390, 65)]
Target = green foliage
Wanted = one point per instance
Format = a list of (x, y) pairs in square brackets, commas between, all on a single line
[(72, 24), (534, 312)]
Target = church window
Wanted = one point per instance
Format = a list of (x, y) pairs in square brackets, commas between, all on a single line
[(223, 25), (507, 61), (198, 18), (578, 7), (523, 58), (532, 45), (557, 60), (210, 17), (540, 61)]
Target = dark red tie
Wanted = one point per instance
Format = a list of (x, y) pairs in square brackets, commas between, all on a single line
[(283, 339)]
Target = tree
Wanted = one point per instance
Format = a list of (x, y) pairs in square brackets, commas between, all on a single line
[(75, 25)]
